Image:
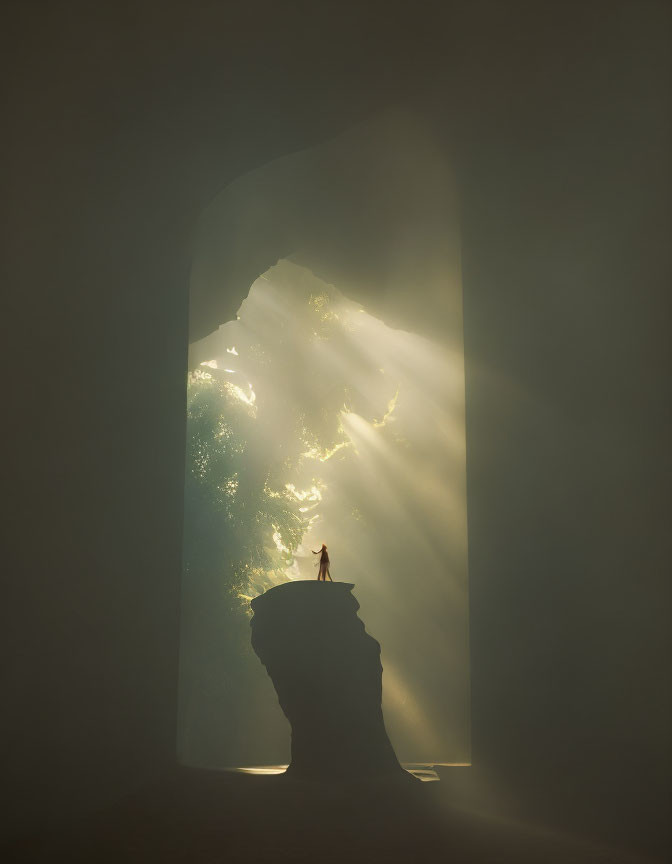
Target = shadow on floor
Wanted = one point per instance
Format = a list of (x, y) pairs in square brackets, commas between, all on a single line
[(208, 816)]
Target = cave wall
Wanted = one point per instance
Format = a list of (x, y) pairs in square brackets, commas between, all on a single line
[(123, 123)]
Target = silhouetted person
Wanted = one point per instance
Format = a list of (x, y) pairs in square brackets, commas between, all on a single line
[(324, 564)]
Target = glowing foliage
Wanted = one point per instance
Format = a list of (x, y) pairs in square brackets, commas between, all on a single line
[(234, 511), (322, 424)]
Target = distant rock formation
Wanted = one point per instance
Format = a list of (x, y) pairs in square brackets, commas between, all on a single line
[(327, 673)]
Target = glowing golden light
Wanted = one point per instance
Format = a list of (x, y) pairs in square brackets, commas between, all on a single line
[(277, 539), (423, 771), (238, 393), (391, 405), (312, 494), (325, 455), (382, 481)]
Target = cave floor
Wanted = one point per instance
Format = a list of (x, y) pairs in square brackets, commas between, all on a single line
[(214, 816)]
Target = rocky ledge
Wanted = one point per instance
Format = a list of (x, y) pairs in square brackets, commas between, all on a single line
[(327, 673)]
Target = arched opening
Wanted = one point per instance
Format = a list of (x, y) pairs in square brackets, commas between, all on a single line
[(328, 406)]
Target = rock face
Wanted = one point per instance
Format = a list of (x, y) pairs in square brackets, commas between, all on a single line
[(327, 673)]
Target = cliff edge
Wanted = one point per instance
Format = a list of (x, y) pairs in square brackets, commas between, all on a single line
[(327, 673)]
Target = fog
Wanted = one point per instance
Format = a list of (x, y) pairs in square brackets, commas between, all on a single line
[(127, 127), (335, 428), (330, 410)]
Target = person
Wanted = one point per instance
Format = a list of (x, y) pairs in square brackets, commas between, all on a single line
[(324, 564)]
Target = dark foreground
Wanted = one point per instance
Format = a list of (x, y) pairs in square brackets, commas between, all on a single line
[(210, 817)]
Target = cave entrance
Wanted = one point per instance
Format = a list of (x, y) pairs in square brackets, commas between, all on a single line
[(314, 417)]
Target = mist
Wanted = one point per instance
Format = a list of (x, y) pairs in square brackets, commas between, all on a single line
[(339, 429), (326, 312), (160, 161)]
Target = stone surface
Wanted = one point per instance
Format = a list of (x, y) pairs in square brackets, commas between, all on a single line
[(327, 673)]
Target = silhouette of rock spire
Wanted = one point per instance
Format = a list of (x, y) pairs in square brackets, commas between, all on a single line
[(327, 673)]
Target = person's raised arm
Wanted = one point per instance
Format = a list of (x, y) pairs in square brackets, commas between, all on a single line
[(316, 553)]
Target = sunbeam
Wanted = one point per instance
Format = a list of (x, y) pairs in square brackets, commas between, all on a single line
[(355, 437)]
